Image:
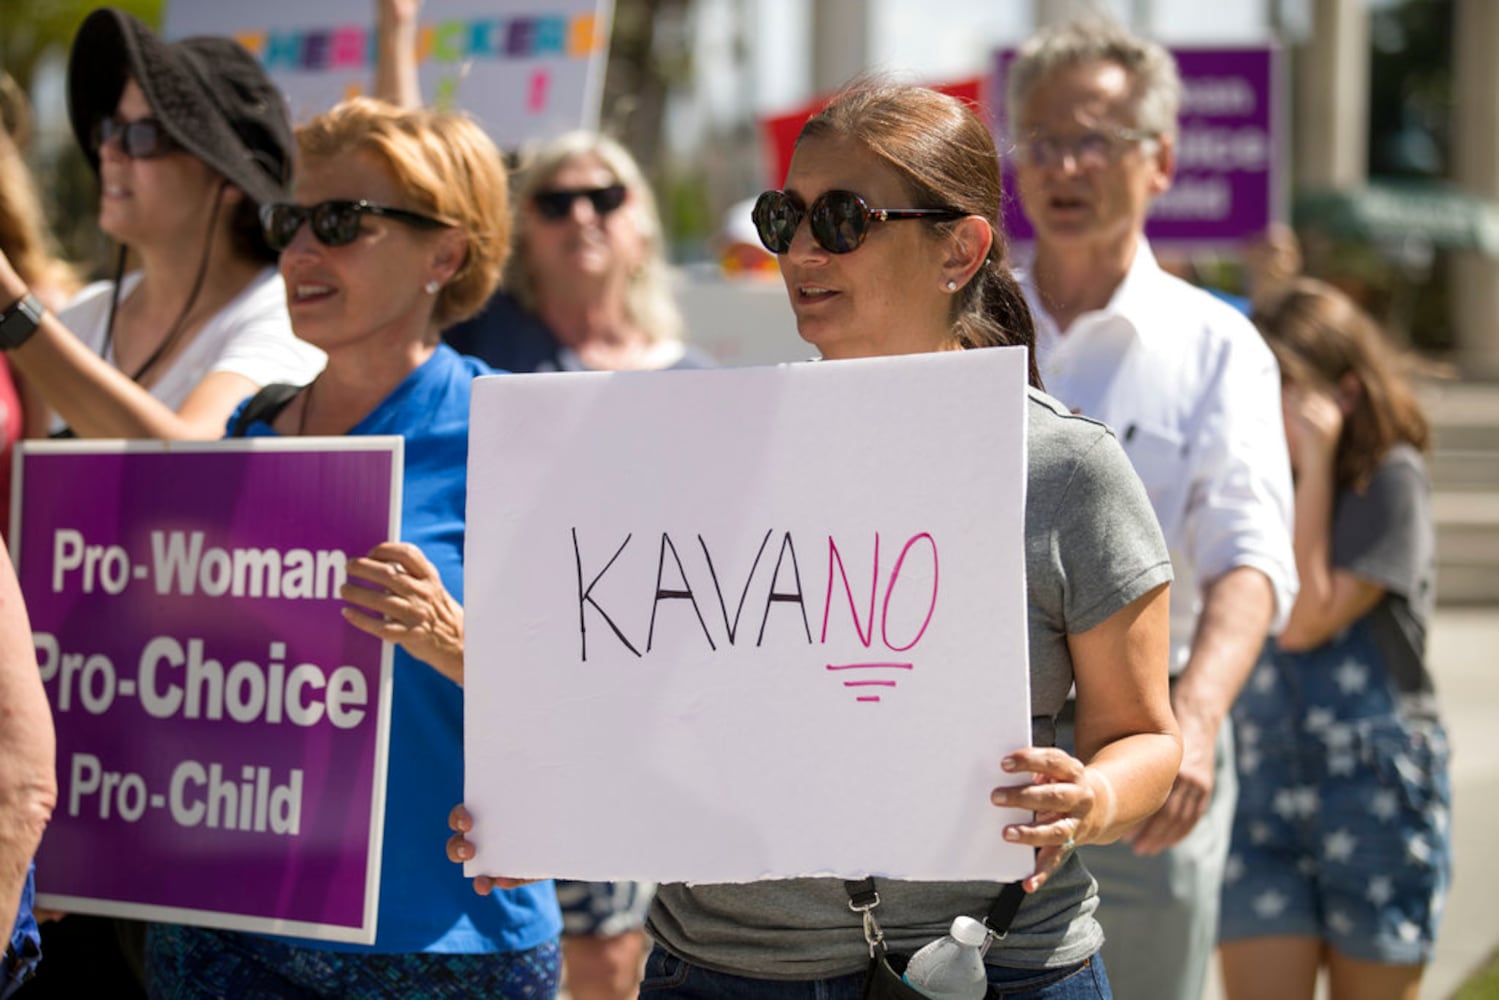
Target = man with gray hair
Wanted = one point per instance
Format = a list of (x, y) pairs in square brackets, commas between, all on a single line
[(1194, 396)]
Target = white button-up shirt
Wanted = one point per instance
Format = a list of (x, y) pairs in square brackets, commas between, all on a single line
[(1193, 394)]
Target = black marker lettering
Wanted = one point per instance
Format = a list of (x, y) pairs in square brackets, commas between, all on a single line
[(586, 596), (794, 596), (734, 628), (673, 595)]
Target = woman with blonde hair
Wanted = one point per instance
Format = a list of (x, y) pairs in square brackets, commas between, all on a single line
[(399, 228), (588, 284)]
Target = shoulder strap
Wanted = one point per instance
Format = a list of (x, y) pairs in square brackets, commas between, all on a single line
[(264, 406)]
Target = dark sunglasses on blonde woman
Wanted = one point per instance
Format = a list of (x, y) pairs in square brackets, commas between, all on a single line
[(334, 223), (558, 202), (840, 220)]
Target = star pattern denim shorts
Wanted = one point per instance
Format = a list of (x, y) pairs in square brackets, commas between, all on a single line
[(1343, 824)]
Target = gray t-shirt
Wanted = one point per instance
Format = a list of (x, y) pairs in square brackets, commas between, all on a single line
[(1092, 547), (1384, 534)]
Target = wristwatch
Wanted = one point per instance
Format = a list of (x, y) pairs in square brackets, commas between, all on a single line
[(19, 321)]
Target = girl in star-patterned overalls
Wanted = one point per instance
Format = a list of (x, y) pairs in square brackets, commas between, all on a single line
[(1340, 854)]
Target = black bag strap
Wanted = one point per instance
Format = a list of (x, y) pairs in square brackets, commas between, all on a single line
[(263, 406), (1002, 911), (863, 897)]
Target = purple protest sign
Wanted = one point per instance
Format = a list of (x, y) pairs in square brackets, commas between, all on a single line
[(221, 730), (1227, 181)]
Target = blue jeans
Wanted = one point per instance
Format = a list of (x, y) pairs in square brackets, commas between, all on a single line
[(195, 963), (666, 975), (24, 949)]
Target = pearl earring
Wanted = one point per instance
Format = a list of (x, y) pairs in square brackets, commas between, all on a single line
[(952, 286), (431, 287)]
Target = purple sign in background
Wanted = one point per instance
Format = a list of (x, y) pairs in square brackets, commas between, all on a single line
[(221, 729), (1227, 161)]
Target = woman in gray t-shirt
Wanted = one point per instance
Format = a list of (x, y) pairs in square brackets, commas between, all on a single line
[(936, 278), (1341, 853)]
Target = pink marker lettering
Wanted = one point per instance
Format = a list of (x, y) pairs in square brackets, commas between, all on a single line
[(866, 635), (895, 575)]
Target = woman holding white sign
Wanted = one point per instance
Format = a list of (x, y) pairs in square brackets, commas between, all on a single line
[(399, 228), (888, 246)]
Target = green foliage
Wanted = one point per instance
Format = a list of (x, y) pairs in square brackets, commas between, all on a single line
[(30, 31), (1403, 280), (1483, 984), (686, 215), (1410, 88), (30, 28)]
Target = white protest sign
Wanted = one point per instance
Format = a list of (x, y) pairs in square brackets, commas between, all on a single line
[(525, 69), (747, 623)]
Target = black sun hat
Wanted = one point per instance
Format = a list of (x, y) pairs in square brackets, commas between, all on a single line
[(208, 92)]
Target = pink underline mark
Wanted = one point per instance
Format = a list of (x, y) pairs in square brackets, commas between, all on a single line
[(855, 684), (869, 697), (856, 666)]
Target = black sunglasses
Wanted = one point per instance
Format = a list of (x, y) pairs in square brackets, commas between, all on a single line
[(839, 219), (142, 139), (558, 204), (334, 223)]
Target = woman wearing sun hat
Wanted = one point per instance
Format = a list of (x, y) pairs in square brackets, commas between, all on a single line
[(188, 138)]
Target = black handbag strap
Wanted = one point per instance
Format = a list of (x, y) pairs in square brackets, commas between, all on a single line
[(1002, 911), (863, 897), (264, 406)]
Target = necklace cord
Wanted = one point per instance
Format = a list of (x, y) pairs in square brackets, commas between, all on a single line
[(174, 332)]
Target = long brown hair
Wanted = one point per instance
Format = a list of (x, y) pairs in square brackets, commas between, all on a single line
[(945, 158), (24, 236), (1319, 336)]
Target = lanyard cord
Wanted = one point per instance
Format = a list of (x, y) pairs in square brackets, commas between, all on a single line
[(174, 333)]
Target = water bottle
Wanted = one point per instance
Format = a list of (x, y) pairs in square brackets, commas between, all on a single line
[(952, 967)]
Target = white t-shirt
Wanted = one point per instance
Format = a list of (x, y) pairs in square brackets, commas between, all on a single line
[(250, 336)]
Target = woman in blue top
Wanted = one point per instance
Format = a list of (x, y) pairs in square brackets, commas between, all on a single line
[(1340, 854), (399, 228)]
